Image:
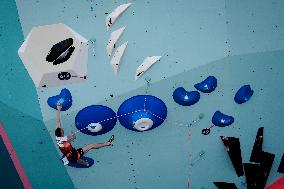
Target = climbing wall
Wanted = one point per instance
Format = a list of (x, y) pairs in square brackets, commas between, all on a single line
[(176, 151), (237, 42)]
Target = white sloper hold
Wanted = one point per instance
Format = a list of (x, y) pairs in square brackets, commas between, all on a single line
[(147, 63), (112, 17), (114, 36), (115, 61)]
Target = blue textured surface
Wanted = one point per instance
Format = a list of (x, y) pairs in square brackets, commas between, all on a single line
[(95, 114), (185, 98), (243, 94), (65, 98), (149, 107)]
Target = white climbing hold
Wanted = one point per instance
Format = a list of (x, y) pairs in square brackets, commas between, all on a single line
[(94, 127), (115, 61), (147, 63), (143, 124), (112, 17), (114, 37)]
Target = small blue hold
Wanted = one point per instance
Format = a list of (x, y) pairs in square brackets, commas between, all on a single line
[(208, 85), (77, 165), (243, 94), (65, 98), (222, 120), (185, 98)]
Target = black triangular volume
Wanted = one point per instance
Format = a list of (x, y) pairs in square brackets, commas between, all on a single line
[(233, 147), (253, 177), (266, 161), (257, 147), (225, 185), (281, 166)]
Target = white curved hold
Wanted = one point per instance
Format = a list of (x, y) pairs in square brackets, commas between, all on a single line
[(143, 124), (147, 63), (115, 61), (114, 36), (112, 17), (94, 127)]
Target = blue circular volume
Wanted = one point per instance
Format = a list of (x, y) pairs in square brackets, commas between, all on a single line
[(222, 120), (243, 94), (142, 113), (208, 85), (95, 120), (65, 98), (185, 98)]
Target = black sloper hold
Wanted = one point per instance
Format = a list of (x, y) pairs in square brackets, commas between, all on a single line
[(281, 166), (257, 147), (233, 147), (64, 57), (225, 185), (59, 48), (252, 173), (266, 161)]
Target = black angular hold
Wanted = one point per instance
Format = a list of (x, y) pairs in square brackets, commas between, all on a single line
[(225, 185), (57, 49), (61, 51), (64, 56), (253, 176), (257, 147), (232, 145), (266, 161), (281, 166)]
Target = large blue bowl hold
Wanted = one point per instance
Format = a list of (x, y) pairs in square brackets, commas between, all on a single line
[(65, 98), (142, 113), (208, 85), (222, 120), (185, 98), (95, 120), (243, 94)]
